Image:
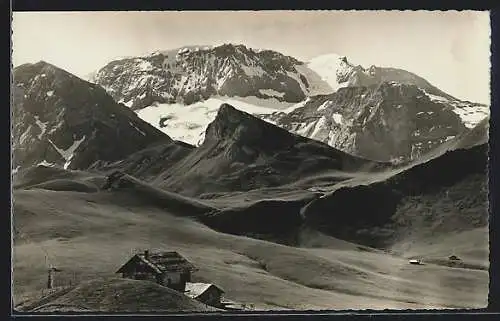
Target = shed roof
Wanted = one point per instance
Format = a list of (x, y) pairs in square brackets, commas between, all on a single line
[(160, 262), (194, 290)]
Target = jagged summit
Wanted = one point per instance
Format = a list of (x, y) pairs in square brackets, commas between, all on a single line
[(339, 72), (192, 74), (242, 152), (25, 72), (244, 129), (195, 73)]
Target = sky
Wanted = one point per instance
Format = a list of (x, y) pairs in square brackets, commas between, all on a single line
[(450, 49)]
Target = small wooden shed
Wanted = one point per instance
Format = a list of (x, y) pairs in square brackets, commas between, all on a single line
[(207, 293), (165, 268)]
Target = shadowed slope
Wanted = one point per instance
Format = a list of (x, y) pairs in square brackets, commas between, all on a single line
[(446, 194), (62, 120), (242, 152)]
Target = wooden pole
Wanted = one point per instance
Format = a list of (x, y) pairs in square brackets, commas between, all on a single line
[(50, 280)]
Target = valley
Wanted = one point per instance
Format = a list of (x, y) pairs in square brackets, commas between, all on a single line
[(90, 234)]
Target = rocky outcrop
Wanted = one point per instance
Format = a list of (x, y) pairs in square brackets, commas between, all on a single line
[(191, 74), (386, 122)]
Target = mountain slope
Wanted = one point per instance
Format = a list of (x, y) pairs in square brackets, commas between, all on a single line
[(192, 74), (60, 119), (195, 73), (162, 85), (387, 121), (445, 195), (241, 152)]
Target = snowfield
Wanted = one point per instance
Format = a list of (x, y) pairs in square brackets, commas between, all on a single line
[(271, 92), (330, 68), (470, 113), (188, 123)]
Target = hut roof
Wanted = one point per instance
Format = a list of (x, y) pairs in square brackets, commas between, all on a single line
[(162, 262), (194, 290)]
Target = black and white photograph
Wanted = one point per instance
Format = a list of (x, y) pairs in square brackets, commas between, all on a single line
[(233, 161)]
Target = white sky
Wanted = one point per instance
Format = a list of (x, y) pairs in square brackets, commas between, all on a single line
[(450, 49)]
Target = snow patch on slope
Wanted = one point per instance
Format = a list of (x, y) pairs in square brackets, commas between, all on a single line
[(254, 71), (46, 164), (271, 92), (140, 131), (24, 136), (470, 113), (320, 124), (68, 153), (324, 105), (316, 84), (295, 106), (434, 97), (304, 130), (42, 126), (337, 118)]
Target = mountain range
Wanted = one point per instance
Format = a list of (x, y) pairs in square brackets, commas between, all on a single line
[(78, 126), (321, 177), (380, 113)]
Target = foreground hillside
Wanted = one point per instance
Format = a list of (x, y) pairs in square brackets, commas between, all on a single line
[(90, 235), (111, 295)]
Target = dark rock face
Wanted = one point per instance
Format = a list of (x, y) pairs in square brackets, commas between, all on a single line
[(446, 194), (60, 119), (386, 122), (242, 152), (192, 74)]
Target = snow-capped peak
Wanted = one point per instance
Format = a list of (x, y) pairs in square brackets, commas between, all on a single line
[(332, 68), (195, 73)]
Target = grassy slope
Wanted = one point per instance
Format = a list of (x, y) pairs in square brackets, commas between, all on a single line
[(429, 200), (35, 175), (116, 294), (91, 235)]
